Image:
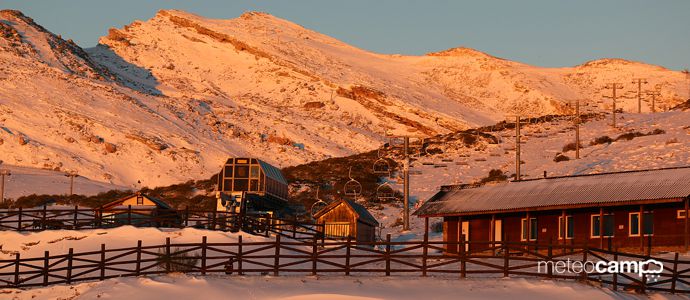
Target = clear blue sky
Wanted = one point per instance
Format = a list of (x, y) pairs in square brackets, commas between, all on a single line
[(544, 33)]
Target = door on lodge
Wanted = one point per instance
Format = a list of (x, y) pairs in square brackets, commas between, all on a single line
[(465, 231)]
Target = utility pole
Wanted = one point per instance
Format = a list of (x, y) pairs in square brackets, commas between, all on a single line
[(614, 86), (639, 82), (71, 175), (517, 148), (406, 185), (577, 129), (3, 173), (653, 94)]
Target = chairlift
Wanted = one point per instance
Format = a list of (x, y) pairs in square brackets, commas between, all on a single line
[(447, 160), (318, 205), (381, 165), (385, 193), (352, 188), (440, 166)]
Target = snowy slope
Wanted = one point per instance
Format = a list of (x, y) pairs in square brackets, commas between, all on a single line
[(168, 99)]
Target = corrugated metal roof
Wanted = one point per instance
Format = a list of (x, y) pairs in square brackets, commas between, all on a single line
[(272, 172), (583, 190)]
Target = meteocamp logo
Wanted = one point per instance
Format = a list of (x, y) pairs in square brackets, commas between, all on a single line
[(647, 268)]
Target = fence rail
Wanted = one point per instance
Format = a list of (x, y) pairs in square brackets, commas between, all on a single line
[(85, 218), (284, 257)]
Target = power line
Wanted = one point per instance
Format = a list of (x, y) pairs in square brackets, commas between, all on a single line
[(653, 94)]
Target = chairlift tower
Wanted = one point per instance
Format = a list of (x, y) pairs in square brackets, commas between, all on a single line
[(517, 145), (406, 181), (653, 94)]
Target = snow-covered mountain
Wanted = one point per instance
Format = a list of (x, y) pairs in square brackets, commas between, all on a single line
[(168, 99)]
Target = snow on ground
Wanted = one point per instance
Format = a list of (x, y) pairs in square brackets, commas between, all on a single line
[(26, 181), (33, 244), (178, 286)]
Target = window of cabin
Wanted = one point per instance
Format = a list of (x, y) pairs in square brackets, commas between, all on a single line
[(140, 200), (532, 229), (254, 185), (241, 172), (680, 214), (227, 185), (228, 171), (254, 172), (634, 224), (566, 228), (609, 223), (241, 185)]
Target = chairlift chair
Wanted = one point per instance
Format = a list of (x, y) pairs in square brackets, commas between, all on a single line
[(381, 166), (352, 188), (385, 193), (318, 205)]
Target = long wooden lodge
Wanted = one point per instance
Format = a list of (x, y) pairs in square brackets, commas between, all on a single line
[(633, 210)]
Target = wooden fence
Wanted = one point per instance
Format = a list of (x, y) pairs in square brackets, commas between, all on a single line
[(85, 218), (285, 257)]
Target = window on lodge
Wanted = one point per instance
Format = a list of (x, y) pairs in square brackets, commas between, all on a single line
[(566, 228), (532, 229), (634, 223), (608, 226)]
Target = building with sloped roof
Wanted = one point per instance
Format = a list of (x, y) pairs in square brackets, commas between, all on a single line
[(251, 185), (139, 209), (609, 210), (346, 218)]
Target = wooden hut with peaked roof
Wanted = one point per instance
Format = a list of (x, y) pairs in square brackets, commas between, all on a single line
[(139, 210), (345, 218), (632, 209)]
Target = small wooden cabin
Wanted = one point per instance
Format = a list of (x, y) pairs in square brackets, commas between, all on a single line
[(632, 209), (345, 218), (251, 185), (139, 210)]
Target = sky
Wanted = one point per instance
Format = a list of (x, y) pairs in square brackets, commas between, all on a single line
[(550, 33)]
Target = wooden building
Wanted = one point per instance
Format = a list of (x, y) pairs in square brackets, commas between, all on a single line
[(251, 185), (633, 210), (345, 218), (139, 210)]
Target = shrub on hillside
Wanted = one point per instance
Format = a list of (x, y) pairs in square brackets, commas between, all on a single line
[(604, 139), (560, 158)]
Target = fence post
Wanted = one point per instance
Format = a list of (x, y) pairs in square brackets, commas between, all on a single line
[(294, 227), (506, 259), (314, 253), (550, 257), (167, 255), (388, 254), (129, 214), (203, 255), (186, 216), (674, 274), (44, 216), (46, 264), (19, 220), (213, 221), (276, 261), (323, 233), (463, 264), (615, 274), (99, 217), (239, 255), (70, 255), (102, 262), (425, 250), (137, 269), (347, 255), (74, 225), (17, 262), (583, 274)]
